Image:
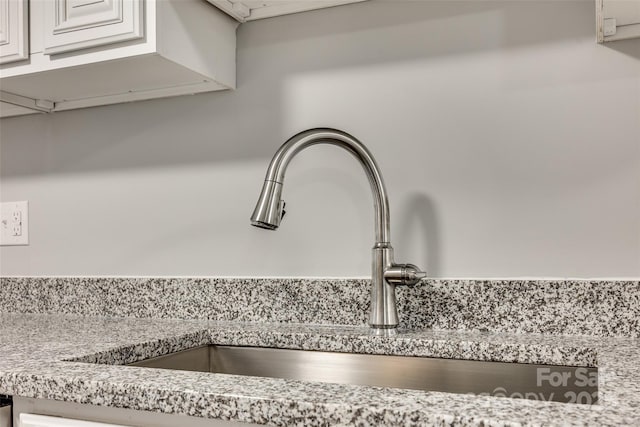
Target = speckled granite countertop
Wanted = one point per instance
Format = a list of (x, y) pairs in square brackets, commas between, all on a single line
[(43, 356)]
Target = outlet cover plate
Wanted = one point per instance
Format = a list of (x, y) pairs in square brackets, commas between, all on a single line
[(14, 223)]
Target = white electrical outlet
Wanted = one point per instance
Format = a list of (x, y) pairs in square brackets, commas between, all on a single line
[(14, 223)]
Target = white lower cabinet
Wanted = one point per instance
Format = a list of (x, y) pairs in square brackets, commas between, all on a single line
[(28, 412), (31, 420), (86, 53)]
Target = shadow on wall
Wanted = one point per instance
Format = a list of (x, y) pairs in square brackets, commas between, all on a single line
[(630, 47), (418, 233), (246, 124)]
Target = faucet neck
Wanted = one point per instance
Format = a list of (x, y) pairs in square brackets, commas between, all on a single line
[(299, 142)]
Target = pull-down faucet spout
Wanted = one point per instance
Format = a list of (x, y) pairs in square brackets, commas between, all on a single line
[(386, 275)]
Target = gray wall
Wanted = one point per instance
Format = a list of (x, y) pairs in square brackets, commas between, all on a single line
[(509, 140)]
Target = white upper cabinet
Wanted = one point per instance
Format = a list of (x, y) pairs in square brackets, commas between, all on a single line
[(249, 10), (617, 19), (14, 30), (78, 24), (64, 54), (86, 53)]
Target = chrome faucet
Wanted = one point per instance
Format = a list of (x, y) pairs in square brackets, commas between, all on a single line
[(386, 273)]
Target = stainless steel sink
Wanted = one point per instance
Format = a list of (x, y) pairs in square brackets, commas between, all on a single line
[(567, 384)]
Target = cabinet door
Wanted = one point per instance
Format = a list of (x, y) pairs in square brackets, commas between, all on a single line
[(14, 31), (79, 24)]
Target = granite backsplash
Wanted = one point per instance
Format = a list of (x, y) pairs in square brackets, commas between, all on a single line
[(557, 307)]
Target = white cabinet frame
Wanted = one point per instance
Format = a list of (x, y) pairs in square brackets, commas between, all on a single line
[(617, 20), (250, 10)]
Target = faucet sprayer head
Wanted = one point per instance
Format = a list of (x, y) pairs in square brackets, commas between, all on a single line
[(270, 207)]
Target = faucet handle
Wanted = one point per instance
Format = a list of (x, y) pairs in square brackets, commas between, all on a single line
[(404, 274), (414, 274)]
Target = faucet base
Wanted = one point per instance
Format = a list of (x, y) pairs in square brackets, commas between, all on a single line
[(383, 332), (384, 314)]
